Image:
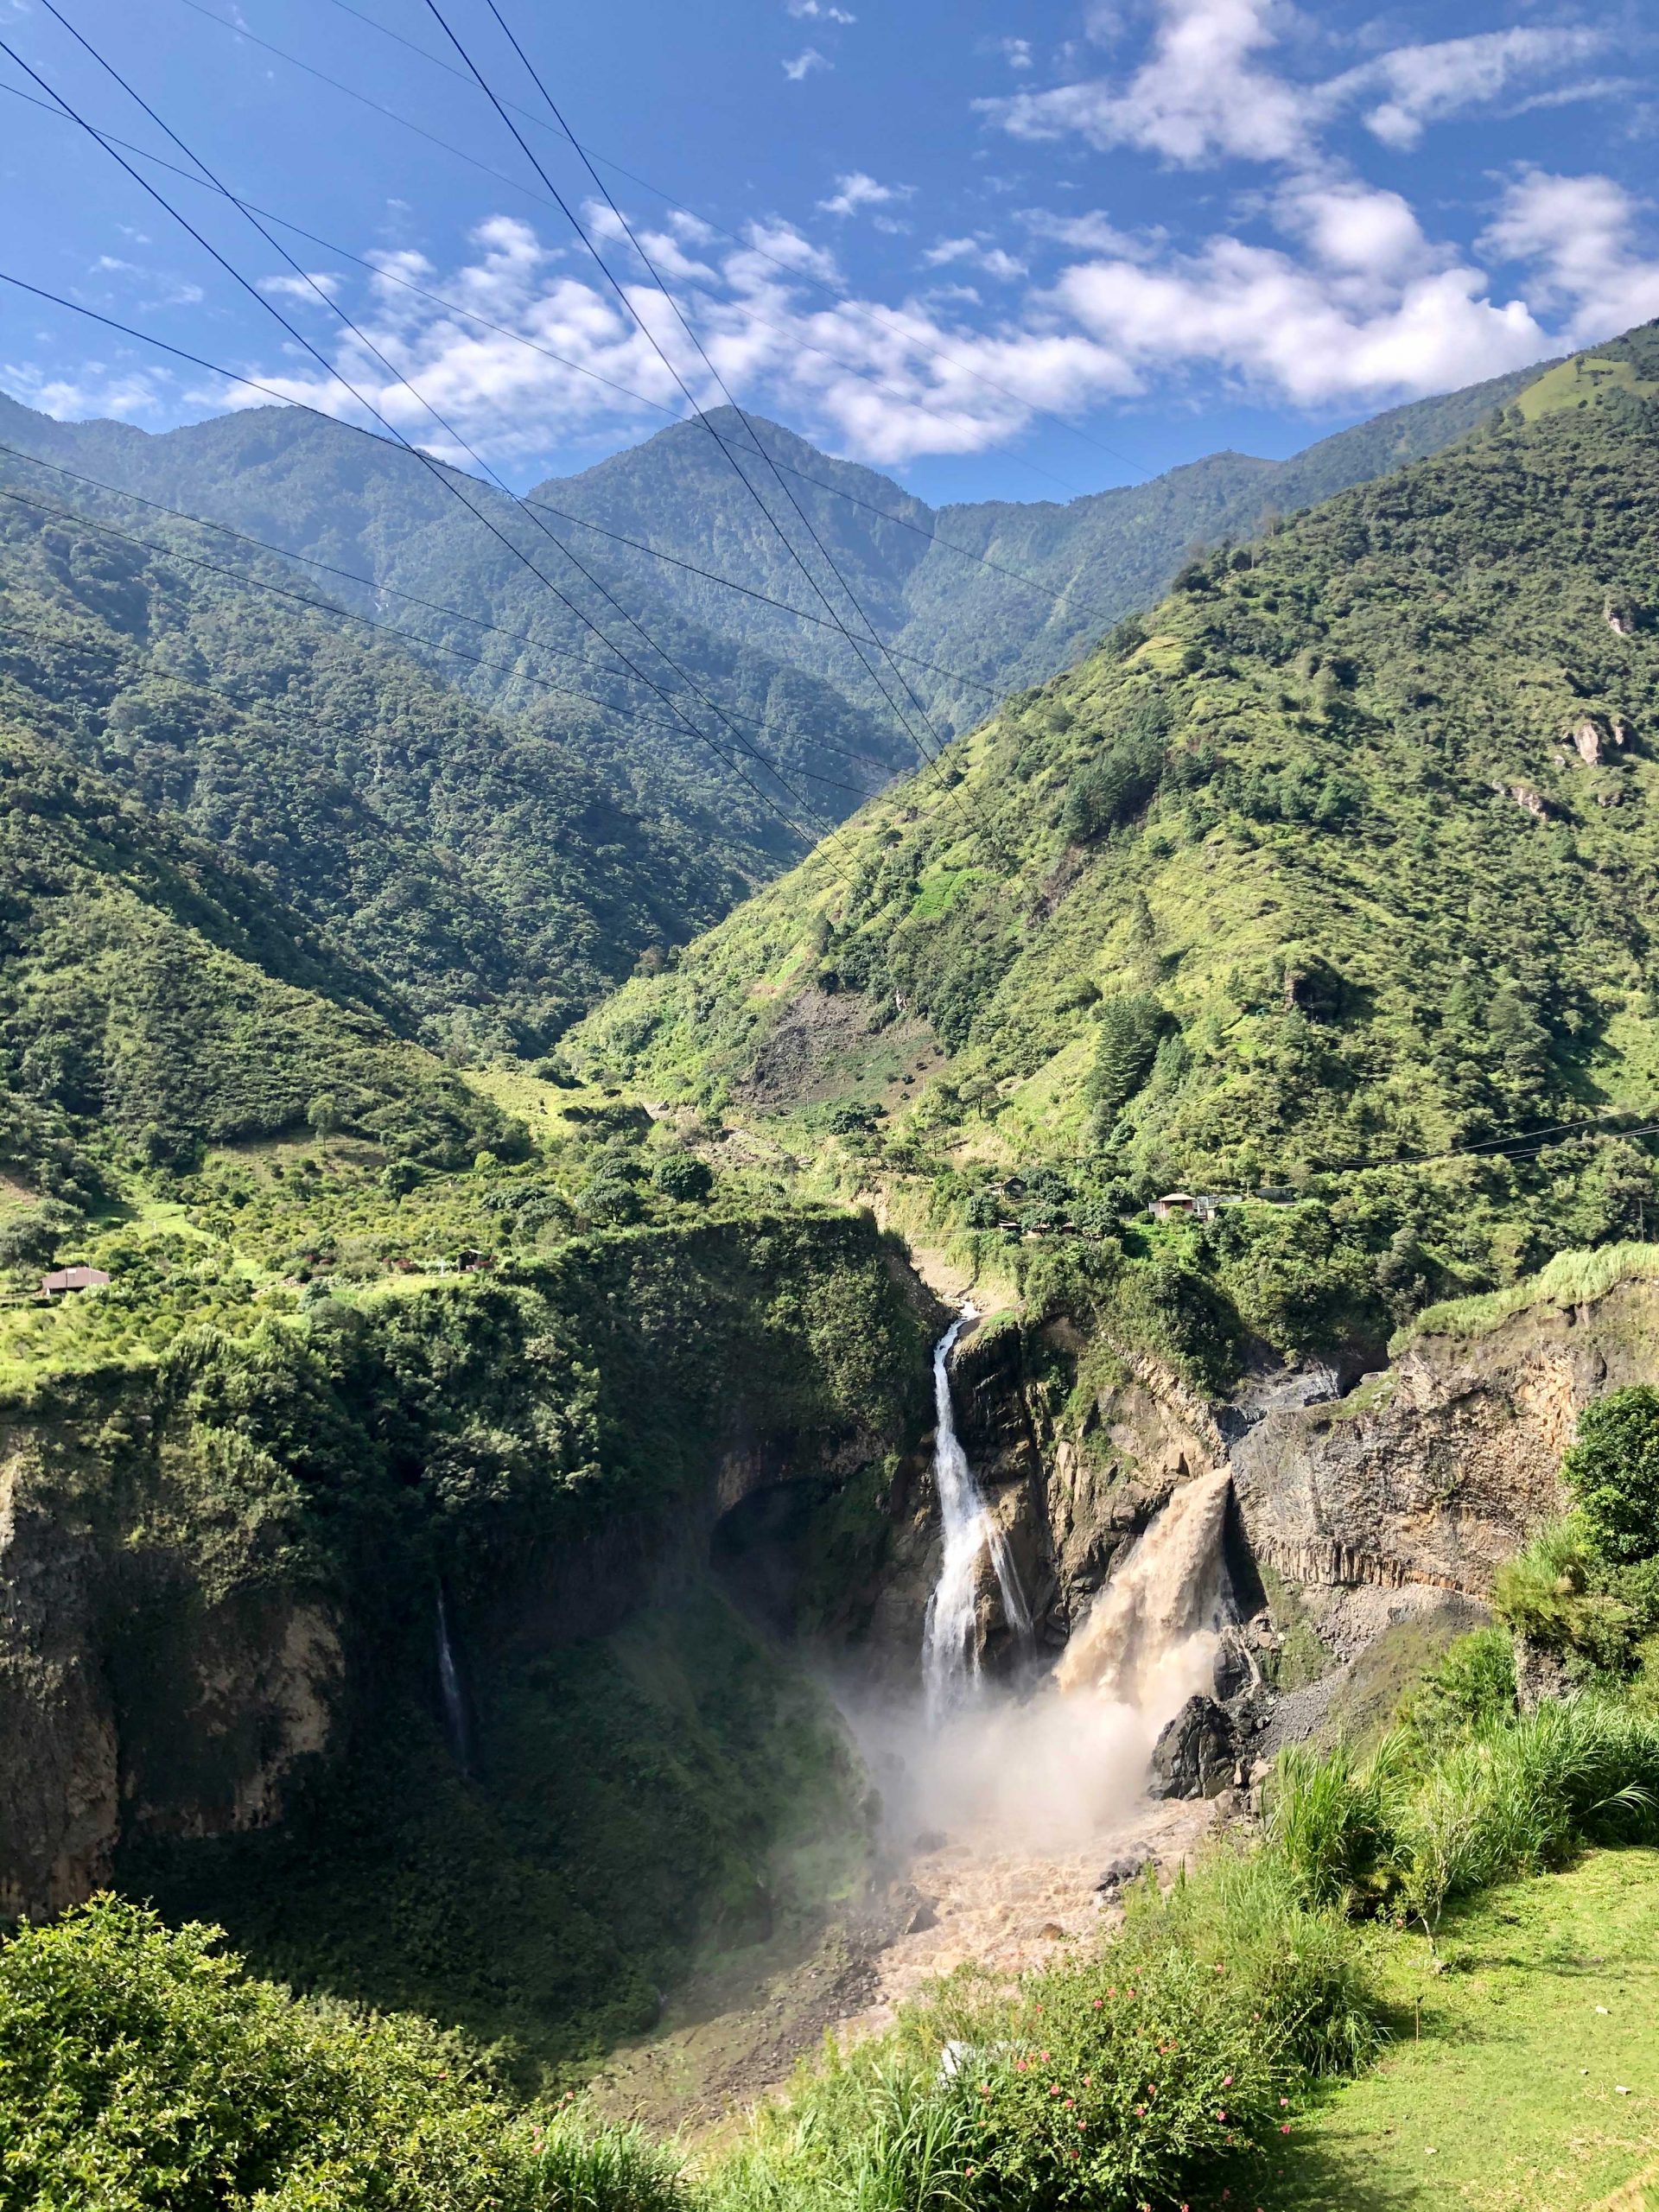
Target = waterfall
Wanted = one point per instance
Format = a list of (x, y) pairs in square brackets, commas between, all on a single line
[(1152, 1634), (455, 1700), (951, 1638)]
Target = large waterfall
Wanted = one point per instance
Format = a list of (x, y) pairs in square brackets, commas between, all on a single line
[(1151, 1636), (950, 1636)]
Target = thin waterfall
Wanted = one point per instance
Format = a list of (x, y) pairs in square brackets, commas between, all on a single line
[(950, 1636), (455, 1700)]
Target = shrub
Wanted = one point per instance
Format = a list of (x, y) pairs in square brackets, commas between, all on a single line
[(684, 1176), (1612, 1468), (141, 2067)]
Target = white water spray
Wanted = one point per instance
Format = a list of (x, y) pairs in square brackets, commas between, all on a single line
[(969, 1531)]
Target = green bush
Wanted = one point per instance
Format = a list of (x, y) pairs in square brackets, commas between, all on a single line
[(684, 1176), (140, 2068), (1612, 1468)]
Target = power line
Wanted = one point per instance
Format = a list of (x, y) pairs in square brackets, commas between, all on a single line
[(622, 295), (442, 476), (824, 552), (1492, 1147), (246, 582), (369, 583), (1064, 599), (791, 269), (363, 338), (334, 422)]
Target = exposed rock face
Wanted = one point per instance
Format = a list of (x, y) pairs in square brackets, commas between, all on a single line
[(126, 1705), (1441, 1469), (1198, 1754)]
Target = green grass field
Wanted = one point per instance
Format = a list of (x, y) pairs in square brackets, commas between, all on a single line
[(1533, 2083)]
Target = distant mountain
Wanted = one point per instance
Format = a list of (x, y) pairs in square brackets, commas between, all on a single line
[(920, 571), (480, 867)]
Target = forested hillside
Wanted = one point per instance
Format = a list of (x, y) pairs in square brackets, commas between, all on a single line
[(483, 868), (974, 599), (1343, 855)]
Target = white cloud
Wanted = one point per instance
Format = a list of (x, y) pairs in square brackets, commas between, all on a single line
[(1423, 85), (99, 390), (803, 63), (1205, 90), (1017, 52), (1092, 232), (303, 289), (816, 11), (1577, 234), (856, 190), (991, 258), (1200, 93)]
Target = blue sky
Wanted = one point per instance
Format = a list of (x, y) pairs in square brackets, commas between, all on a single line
[(997, 249)]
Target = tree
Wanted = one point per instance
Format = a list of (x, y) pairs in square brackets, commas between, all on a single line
[(684, 1176), (1613, 1469), (1124, 1051)]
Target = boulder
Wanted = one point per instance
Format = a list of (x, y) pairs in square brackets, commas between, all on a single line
[(1197, 1756), (1124, 1870)]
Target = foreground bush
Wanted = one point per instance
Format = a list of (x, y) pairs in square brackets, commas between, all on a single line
[(140, 2068), (1126, 2075)]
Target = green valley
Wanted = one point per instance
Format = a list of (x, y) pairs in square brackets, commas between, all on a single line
[(509, 1512)]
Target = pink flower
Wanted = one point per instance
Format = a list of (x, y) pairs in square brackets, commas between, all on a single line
[(1284, 2127), (1069, 2102), (1221, 2115), (1226, 2081), (1284, 2104), (1099, 2001)]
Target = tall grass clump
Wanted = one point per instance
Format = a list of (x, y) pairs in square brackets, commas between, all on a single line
[(1125, 2076), (1432, 1816)]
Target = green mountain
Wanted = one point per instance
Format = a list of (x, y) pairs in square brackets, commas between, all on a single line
[(155, 998), (1343, 855), (477, 864)]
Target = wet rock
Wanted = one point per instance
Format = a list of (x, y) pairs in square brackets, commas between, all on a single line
[(1124, 1870), (923, 1919), (1196, 1754)]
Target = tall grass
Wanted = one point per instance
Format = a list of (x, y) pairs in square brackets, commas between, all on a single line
[(1122, 2077), (1417, 1827), (567, 2163)]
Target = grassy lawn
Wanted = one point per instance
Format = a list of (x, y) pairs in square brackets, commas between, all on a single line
[(1510, 2102)]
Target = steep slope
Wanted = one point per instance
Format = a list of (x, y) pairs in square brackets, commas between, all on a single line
[(321, 490), (1347, 853), (155, 998), (481, 866)]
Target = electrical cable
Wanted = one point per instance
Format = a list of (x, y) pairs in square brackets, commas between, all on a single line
[(622, 295), (372, 583), (823, 825), (1063, 598), (330, 607), (444, 477), (791, 269)]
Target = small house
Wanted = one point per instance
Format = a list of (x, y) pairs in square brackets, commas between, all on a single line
[(66, 1279), (1201, 1206)]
